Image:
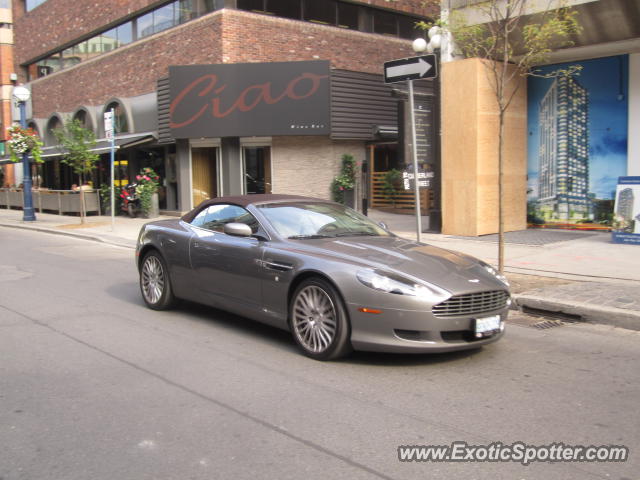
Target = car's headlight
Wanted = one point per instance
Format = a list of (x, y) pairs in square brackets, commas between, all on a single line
[(495, 273), (401, 286)]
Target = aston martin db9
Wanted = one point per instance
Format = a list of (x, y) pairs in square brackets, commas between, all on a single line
[(331, 276)]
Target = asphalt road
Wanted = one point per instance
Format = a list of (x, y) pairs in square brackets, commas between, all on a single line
[(95, 386)]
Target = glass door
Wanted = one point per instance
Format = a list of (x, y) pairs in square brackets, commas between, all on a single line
[(257, 169), (204, 173)]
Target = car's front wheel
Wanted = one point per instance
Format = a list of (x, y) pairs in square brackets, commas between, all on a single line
[(154, 282), (319, 320)]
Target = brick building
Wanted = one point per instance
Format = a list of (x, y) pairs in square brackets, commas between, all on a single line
[(279, 127)]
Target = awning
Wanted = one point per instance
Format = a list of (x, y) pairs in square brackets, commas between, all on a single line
[(103, 145)]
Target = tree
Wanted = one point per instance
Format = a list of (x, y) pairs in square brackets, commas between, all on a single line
[(512, 37), (75, 143)]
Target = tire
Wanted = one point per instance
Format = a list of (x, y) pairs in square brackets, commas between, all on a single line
[(318, 320), (155, 285), (131, 210)]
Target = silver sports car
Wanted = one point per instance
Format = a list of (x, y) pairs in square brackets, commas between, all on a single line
[(334, 278)]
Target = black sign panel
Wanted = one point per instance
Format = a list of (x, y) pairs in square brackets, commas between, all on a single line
[(413, 68), (249, 99)]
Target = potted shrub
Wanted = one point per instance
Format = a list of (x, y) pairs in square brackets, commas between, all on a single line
[(343, 185), (147, 190)]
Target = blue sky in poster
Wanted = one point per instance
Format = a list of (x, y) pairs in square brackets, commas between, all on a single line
[(606, 80)]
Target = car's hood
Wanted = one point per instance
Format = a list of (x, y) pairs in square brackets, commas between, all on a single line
[(450, 270)]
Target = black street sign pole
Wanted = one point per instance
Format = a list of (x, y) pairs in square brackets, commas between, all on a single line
[(416, 184), (411, 69)]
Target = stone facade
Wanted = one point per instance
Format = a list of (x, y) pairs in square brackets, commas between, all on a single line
[(307, 165)]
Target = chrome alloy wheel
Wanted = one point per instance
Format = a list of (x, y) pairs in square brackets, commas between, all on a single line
[(314, 319), (152, 279)]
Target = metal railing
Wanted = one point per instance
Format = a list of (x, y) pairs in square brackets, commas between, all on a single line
[(61, 201)]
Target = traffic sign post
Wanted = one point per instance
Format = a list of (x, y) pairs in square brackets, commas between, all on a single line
[(410, 69), (110, 135)]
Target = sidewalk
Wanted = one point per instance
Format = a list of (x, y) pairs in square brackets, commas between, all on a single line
[(581, 275)]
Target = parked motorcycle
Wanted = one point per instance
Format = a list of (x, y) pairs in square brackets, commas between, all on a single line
[(130, 200)]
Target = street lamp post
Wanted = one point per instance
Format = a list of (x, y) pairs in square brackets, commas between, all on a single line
[(22, 95)]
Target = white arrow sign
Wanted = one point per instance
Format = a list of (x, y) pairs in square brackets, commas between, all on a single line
[(413, 68), (420, 69)]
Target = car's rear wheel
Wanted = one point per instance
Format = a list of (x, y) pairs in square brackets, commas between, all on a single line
[(154, 282), (319, 320)]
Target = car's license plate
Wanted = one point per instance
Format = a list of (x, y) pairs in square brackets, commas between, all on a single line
[(487, 325)]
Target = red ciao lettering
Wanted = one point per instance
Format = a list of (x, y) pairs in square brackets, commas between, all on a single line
[(205, 87)]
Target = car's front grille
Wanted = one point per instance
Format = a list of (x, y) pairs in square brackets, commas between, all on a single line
[(471, 304)]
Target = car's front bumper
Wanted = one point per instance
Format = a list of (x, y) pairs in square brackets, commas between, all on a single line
[(409, 331)]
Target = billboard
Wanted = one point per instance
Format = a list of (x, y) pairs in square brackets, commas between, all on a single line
[(626, 219), (249, 99), (577, 145)]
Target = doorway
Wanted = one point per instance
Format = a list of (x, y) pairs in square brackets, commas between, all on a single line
[(204, 176), (257, 169)]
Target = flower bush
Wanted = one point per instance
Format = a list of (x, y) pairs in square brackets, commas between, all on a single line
[(24, 140), (346, 180), (147, 184)]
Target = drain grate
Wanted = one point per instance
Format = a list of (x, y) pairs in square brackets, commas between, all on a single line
[(543, 325), (563, 317)]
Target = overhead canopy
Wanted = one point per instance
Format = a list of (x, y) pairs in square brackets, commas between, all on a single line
[(103, 145)]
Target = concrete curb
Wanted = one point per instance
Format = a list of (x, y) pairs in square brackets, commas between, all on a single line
[(83, 236), (617, 317)]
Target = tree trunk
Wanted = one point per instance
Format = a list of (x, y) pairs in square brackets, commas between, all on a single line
[(81, 200)]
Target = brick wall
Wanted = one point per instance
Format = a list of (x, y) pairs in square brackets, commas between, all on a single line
[(307, 165), (131, 70), (226, 36), (64, 24), (57, 22)]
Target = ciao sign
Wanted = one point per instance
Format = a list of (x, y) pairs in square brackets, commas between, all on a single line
[(249, 99)]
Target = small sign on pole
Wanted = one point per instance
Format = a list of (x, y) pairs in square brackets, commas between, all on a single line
[(110, 135)]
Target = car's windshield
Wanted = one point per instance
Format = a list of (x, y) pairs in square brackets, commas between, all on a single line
[(318, 220)]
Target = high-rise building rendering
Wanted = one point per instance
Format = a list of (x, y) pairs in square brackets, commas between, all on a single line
[(564, 152), (624, 207)]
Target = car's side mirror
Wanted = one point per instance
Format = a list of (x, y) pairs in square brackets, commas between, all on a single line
[(383, 225), (238, 229)]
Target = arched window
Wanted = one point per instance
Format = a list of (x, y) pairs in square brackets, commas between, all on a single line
[(121, 124), (53, 124), (83, 117)]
